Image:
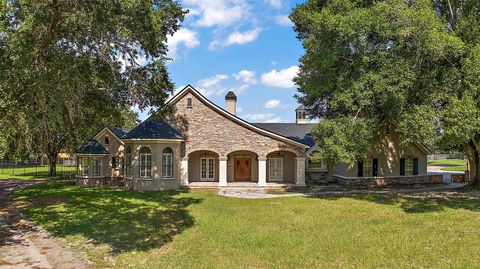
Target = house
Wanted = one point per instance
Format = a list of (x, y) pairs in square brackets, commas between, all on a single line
[(204, 145)]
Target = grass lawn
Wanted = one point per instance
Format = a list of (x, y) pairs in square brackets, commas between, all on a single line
[(451, 164), (39, 172), (198, 229)]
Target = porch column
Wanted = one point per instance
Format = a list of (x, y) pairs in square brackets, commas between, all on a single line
[(184, 172), (262, 171), (300, 178), (222, 180)]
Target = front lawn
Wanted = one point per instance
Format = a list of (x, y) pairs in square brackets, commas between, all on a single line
[(199, 229), (34, 172), (450, 164)]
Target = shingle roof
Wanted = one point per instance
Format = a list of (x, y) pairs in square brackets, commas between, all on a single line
[(299, 132), (153, 129), (119, 132), (91, 147)]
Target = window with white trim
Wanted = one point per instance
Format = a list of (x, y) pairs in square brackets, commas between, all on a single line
[(145, 163), (95, 167), (167, 163), (84, 167)]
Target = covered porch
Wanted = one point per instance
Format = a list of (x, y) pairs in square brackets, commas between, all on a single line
[(242, 168)]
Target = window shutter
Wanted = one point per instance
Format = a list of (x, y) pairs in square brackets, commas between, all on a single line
[(415, 166), (374, 167), (360, 169), (114, 162), (402, 166)]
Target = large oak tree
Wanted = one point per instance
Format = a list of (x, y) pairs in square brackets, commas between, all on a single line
[(369, 62), (68, 67)]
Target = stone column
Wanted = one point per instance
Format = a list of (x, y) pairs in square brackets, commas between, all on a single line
[(262, 172), (222, 181), (300, 178), (184, 172)]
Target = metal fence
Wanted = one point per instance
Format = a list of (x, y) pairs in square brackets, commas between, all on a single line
[(36, 168), (458, 155)]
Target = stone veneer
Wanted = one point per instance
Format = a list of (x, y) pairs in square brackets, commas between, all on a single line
[(388, 181), (206, 129)]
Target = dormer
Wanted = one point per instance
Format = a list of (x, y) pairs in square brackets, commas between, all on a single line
[(301, 115)]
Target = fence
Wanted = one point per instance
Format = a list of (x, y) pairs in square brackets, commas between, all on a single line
[(446, 156), (37, 168)]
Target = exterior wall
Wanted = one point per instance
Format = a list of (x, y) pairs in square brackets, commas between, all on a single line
[(115, 148), (289, 165), (205, 129), (103, 166), (388, 181), (388, 151), (156, 182)]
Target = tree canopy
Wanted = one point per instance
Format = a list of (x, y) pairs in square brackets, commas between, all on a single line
[(369, 62), (69, 67)]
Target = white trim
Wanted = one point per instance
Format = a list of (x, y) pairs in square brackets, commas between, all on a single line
[(270, 176), (234, 118), (207, 178)]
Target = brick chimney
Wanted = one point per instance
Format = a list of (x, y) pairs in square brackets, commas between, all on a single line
[(231, 102)]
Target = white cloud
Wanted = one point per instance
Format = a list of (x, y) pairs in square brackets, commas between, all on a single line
[(263, 117), (183, 36), (242, 38), (239, 109), (274, 103), (282, 78), (217, 12), (275, 3), (240, 89), (246, 76), (212, 85), (283, 20)]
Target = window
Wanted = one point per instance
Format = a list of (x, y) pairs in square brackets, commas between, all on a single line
[(408, 166), (84, 166), (189, 102), (415, 166), (114, 162), (107, 140), (360, 168), (207, 169), (375, 167), (276, 169), (96, 167), (145, 163), (128, 162), (167, 163), (402, 166)]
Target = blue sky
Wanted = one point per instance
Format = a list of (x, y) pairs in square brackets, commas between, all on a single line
[(248, 47)]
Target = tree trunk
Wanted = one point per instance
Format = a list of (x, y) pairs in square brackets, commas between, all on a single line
[(52, 159), (472, 150)]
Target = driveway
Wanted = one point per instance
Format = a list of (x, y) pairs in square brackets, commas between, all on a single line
[(25, 245)]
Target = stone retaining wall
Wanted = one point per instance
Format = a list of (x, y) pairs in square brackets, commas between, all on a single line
[(123, 183), (458, 178), (388, 181)]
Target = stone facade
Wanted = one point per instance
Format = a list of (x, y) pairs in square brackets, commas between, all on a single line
[(206, 129), (388, 181)]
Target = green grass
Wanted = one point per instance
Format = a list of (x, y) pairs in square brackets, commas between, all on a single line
[(36, 173), (198, 229), (451, 164)]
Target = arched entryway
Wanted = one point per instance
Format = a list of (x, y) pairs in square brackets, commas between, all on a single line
[(203, 166), (281, 167), (242, 166)]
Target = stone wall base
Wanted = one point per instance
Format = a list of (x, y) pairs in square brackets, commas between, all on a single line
[(117, 182), (459, 178), (316, 177), (388, 181)]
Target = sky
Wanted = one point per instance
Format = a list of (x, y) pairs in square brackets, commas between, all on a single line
[(244, 46)]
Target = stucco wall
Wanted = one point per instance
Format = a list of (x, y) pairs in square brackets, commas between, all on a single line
[(156, 182), (289, 165), (194, 165), (388, 151), (114, 147), (205, 129)]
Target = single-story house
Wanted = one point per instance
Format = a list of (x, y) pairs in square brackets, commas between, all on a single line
[(204, 145)]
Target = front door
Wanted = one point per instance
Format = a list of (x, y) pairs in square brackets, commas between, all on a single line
[(243, 169), (207, 169)]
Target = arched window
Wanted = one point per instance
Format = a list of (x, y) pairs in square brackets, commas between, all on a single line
[(107, 140), (145, 163), (167, 163), (128, 162)]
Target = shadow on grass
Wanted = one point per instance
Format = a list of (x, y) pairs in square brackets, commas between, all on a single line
[(412, 203), (125, 220)]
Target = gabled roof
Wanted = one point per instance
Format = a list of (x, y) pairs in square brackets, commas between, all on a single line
[(91, 147), (298, 132), (119, 132), (232, 117), (153, 128)]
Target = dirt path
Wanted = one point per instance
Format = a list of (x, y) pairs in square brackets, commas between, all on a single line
[(25, 245)]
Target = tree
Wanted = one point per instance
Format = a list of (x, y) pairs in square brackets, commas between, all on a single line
[(369, 62), (129, 119), (69, 67)]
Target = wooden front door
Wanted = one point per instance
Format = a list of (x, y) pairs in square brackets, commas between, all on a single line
[(243, 169)]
